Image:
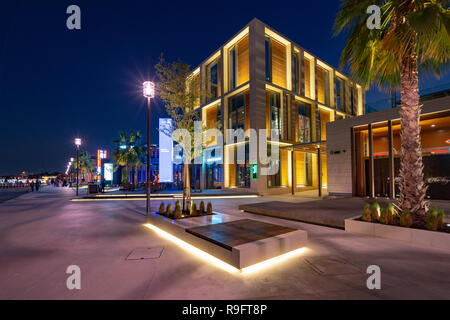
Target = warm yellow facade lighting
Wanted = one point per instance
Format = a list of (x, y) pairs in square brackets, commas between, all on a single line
[(212, 104)]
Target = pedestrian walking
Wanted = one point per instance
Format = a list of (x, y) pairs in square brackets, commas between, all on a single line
[(38, 184), (32, 186)]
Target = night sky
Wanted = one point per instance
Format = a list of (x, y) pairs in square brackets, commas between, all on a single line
[(57, 84)]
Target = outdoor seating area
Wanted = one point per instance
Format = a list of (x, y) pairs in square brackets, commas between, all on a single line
[(238, 242)]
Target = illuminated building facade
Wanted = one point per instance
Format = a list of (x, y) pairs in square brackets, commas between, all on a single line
[(364, 152), (260, 79)]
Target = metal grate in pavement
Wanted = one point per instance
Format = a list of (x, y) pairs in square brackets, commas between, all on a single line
[(145, 253)]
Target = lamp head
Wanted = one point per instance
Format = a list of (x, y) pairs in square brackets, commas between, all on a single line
[(148, 89)]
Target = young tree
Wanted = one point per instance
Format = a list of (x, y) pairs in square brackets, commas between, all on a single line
[(412, 34), (180, 91)]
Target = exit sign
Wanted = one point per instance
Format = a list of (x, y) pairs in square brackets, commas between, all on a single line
[(254, 171)]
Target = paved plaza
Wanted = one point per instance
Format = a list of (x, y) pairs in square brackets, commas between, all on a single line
[(43, 233)]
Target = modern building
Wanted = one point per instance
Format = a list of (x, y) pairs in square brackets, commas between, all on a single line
[(363, 153), (260, 79)]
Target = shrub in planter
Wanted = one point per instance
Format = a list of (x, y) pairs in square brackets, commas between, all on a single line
[(169, 210), (177, 212), (435, 219), (161, 208), (384, 218), (202, 207), (209, 208), (367, 214), (406, 218), (376, 211), (392, 211), (193, 209)]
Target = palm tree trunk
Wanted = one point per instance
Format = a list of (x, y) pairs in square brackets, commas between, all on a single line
[(135, 175), (412, 186)]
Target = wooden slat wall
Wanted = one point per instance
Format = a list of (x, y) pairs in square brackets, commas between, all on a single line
[(211, 122), (268, 113), (324, 118), (197, 89), (243, 60), (300, 167), (278, 64), (314, 170), (320, 93), (219, 75), (284, 167), (307, 78), (324, 169)]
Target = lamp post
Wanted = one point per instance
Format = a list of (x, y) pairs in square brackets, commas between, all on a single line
[(78, 144), (148, 92)]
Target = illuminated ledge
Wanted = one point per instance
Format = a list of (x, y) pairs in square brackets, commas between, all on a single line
[(143, 198), (196, 235)]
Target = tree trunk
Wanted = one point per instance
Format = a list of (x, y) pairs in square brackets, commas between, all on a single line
[(135, 175), (184, 188), (187, 184), (412, 186)]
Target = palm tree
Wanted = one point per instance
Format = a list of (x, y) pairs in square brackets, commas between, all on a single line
[(129, 152), (87, 164), (414, 34)]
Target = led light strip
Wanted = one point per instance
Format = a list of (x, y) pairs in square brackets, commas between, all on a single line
[(158, 198), (221, 264)]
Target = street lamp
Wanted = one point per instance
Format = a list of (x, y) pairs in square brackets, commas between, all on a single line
[(148, 92), (78, 144)]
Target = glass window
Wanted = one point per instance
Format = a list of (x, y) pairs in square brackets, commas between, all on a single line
[(233, 66), (304, 122), (295, 74), (353, 99), (212, 74), (275, 111), (237, 111), (340, 94), (275, 179)]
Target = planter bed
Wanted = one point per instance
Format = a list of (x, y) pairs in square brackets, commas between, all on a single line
[(420, 237), (236, 241)]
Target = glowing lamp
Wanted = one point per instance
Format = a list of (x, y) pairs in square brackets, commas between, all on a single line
[(77, 142), (71, 159), (148, 89)]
